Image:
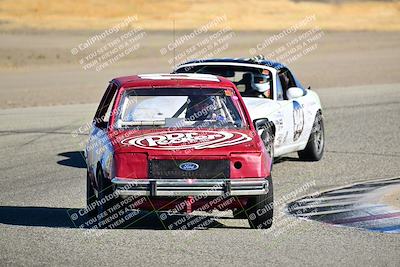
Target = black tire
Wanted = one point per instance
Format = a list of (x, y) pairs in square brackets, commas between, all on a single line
[(316, 143), (108, 209), (239, 213), (90, 199), (260, 209)]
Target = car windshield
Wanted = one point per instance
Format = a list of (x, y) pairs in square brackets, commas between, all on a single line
[(179, 108), (248, 80)]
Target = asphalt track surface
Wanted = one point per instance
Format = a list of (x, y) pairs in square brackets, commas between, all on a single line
[(43, 176)]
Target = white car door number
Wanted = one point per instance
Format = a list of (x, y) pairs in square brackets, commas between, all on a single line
[(298, 120)]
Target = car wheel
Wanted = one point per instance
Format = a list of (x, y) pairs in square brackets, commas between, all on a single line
[(90, 198), (108, 203), (260, 209), (316, 143)]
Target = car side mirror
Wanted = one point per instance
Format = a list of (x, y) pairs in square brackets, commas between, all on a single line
[(294, 92), (260, 123)]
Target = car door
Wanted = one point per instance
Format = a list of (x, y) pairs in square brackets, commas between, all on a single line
[(292, 108)]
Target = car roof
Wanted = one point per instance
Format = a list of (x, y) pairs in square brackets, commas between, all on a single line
[(172, 80), (255, 61)]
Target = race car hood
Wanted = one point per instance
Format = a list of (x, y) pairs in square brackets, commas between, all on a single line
[(184, 142)]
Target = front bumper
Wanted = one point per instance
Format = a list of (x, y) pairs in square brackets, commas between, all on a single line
[(190, 187)]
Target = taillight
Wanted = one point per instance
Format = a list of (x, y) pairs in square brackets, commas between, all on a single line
[(249, 165), (131, 165)]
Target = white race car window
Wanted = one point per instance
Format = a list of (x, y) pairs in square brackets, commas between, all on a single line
[(279, 90)]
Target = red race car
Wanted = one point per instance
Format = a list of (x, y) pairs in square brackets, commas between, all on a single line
[(177, 143)]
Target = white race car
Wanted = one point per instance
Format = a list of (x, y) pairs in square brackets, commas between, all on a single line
[(273, 96)]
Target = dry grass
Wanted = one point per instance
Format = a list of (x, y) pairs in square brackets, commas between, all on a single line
[(158, 14)]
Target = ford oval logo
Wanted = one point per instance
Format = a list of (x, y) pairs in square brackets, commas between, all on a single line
[(188, 166)]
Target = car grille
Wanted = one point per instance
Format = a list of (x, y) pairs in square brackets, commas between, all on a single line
[(208, 169)]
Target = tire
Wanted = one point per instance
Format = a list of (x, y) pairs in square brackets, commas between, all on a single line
[(316, 143), (109, 207), (267, 137), (90, 198), (260, 209), (239, 213)]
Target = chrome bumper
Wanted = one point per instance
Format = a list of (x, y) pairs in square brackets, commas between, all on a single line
[(190, 187)]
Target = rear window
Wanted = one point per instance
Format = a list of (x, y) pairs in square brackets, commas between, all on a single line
[(239, 75), (179, 108)]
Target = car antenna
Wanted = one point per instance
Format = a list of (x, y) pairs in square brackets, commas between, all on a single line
[(173, 30)]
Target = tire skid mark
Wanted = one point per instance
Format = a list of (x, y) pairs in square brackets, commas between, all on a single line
[(362, 153), (362, 106)]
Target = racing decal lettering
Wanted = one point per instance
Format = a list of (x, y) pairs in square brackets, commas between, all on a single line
[(187, 140), (279, 132), (298, 120)]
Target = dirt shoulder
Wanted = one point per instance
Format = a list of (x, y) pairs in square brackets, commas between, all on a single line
[(46, 73)]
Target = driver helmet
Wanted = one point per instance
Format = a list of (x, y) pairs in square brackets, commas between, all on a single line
[(261, 84), (201, 106)]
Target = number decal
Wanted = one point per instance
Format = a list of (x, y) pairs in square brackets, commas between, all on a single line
[(298, 120)]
